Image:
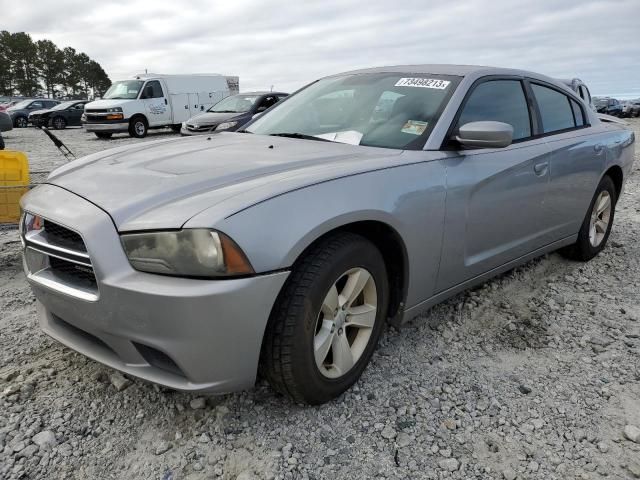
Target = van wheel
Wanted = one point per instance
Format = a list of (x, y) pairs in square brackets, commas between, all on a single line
[(103, 135), (327, 319), (138, 127), (597, 224)]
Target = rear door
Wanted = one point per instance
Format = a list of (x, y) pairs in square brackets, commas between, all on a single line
[(495, 197), (156, 104), (577, 159)]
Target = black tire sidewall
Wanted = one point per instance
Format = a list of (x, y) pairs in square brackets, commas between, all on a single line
[(588, 251), (317, 387)]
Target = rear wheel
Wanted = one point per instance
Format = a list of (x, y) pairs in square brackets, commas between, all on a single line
[(59, 123), (20, 122), (138, 127), (597, 224), (327, 320), (103, 135)]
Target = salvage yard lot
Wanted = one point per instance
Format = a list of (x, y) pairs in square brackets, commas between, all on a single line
[(532, 375)]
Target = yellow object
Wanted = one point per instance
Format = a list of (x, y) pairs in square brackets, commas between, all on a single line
[(14, 182)]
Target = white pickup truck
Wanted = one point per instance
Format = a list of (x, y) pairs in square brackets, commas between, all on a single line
[(155, 101)]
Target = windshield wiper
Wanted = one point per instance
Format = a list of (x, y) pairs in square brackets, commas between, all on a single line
[(223, 111), (299, 135)]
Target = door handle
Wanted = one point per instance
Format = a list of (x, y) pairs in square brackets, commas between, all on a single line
[(165, 102), (541, 168)]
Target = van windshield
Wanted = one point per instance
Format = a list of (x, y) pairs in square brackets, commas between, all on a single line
[(389, 110), (127, 89)]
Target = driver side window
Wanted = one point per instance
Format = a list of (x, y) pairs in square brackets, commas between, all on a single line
[(498, 101), (152, 90)]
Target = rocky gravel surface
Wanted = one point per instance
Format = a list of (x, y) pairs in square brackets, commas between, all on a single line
[(534, 375)]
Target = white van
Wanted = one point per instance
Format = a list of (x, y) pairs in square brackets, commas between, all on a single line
[(155, 101)]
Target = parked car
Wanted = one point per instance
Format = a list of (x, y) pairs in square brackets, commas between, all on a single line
[(630, 109), (194, 262), (66, 114), (155, 101), (4, 106), (581, 89), (5, 125), (231, 113), (20, 111), (608, 106)]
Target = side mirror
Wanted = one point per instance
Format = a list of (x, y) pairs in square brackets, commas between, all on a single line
[(485, 135)]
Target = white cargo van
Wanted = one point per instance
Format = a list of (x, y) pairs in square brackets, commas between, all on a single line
[(155, 101)]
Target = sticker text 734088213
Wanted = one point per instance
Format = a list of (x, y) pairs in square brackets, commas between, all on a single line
[(423, 83)]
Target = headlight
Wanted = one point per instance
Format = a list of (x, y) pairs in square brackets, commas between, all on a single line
[(114, 110), (187, 253), (226, 125)]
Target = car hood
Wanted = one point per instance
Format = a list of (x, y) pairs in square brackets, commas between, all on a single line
[(39, 112), (163, 184), (117, 102), (213, 118)]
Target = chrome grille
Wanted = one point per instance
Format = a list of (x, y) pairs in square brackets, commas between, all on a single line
[(59, 235), (201, 128), (57, 258)]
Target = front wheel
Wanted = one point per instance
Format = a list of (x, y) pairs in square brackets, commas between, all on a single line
[(327, 320), (596, 227), (21, 122), (59, 123), (138, 127)]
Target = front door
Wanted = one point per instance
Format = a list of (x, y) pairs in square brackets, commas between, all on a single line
[(156, 104), (495, 197)]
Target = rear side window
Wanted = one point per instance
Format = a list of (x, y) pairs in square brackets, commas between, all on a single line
[(499, 101), (555, 109), (577, 113)]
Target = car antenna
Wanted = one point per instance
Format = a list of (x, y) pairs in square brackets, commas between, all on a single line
[(68, 154)]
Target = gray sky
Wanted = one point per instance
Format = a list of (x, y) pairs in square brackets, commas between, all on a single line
[(287, 43)]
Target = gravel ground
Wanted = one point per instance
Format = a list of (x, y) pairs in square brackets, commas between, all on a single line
[(536, 374)]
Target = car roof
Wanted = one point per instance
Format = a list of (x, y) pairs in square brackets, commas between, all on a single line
[(475, 71), (262, 92)]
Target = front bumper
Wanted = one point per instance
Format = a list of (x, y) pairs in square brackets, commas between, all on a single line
[(194, 335), (107, 127)]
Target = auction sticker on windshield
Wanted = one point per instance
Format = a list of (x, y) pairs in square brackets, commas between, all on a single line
[(414, 127), (423, 83)]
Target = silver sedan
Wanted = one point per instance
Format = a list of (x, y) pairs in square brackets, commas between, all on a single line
[(366, 197)]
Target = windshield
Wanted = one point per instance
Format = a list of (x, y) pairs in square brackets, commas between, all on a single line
[(390, 110), (234, 104), (63, 105), (127, 89), (22, 104)]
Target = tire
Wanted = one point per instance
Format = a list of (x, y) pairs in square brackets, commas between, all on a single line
[(176, 128), (592, 241), (21, 122), (138, 127), (59, 123), (103, 135), (288, 357)]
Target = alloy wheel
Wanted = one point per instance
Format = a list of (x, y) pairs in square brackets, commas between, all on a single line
[(600, 218), (21, 122), (345, 322), (139, 127)]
